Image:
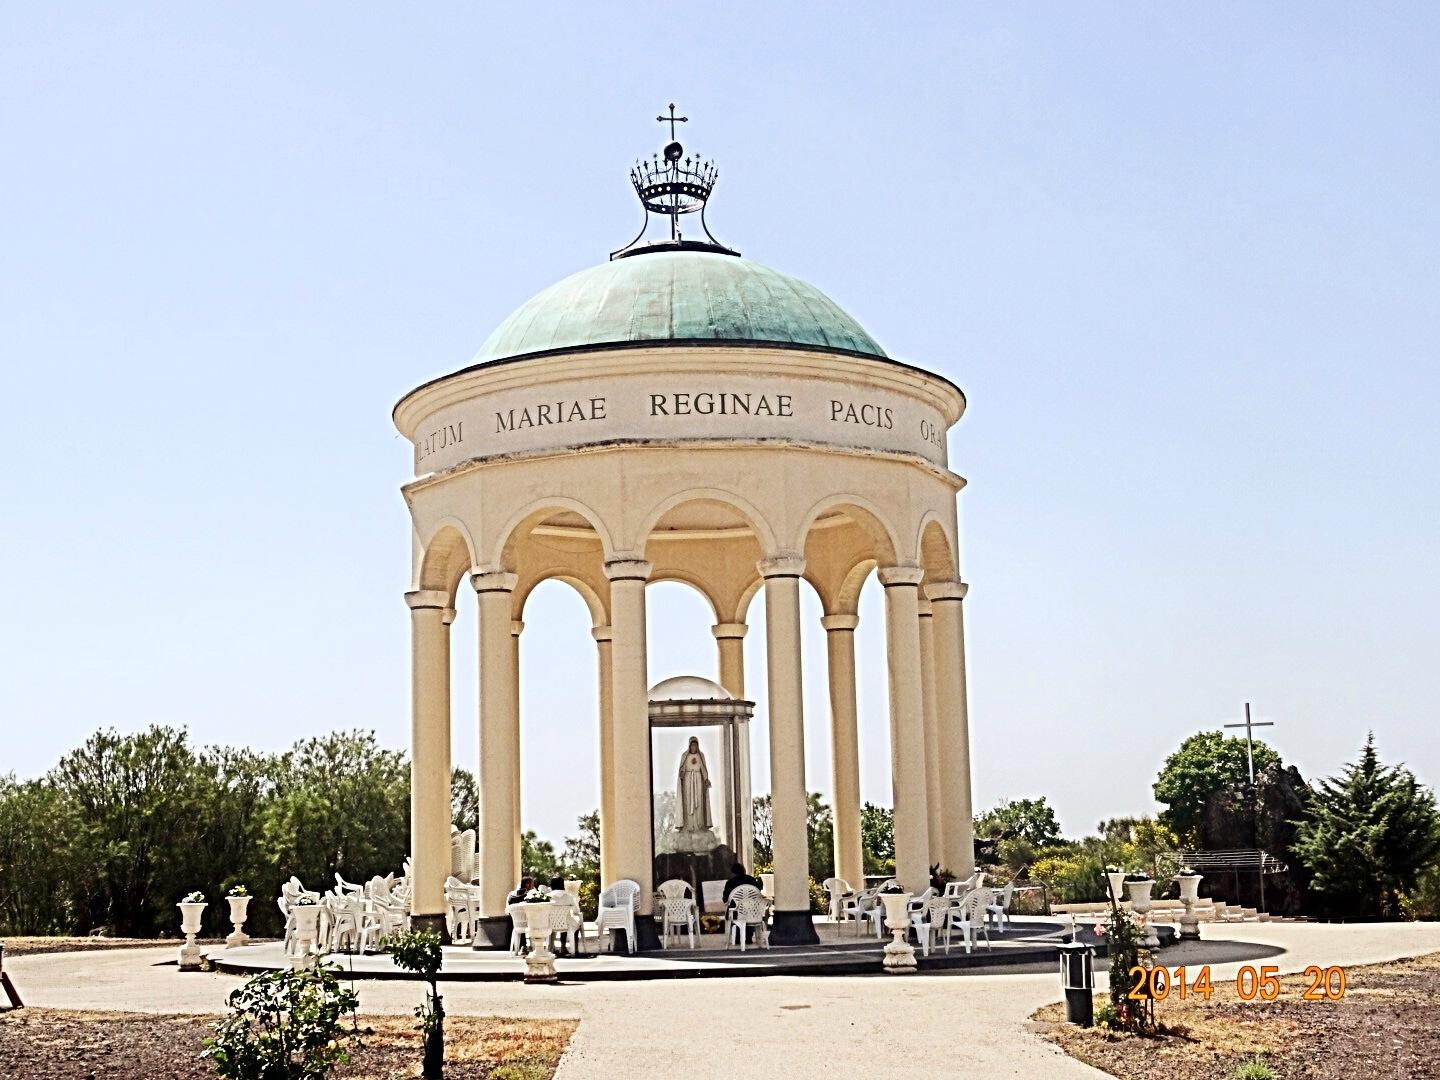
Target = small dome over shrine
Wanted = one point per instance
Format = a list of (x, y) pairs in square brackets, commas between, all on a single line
[(689, 688), (677, 297)]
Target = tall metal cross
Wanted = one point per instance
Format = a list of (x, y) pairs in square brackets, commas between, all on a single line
[(1250, 738), (672, 120)]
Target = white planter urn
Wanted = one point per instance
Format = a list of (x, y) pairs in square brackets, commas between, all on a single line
[(1189, 893), (539, 961), (767, 886), (304, 952), (1141, 904), (190, 913), (239, 908), (1117, 886), (899, 953)]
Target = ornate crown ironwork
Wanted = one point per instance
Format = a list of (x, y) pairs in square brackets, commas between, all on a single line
[(673, 183)]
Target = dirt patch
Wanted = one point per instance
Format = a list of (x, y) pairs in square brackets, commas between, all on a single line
[(34, 946), (1386, 1026), (50, 1044)]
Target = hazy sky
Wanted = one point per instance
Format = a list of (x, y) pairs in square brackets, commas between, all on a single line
[(1183, 259)]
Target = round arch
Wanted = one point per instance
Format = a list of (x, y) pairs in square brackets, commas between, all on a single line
[(866, 514), (531, 515), (599, 615), (447, 555), (933, 550), (764, 534)]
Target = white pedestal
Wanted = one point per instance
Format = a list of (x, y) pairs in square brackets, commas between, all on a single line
[(539, 961), (899, 953)]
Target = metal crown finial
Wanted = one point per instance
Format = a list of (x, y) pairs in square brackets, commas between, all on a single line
[(673, 183)]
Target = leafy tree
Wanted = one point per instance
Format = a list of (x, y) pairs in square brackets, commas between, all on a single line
[(1206, 763), (44, 874), (1030, 820), (820, 833), (419, 951), (877, 838), (581, 857), (538, 858), (140, 796), (1369, 836), (763, 827), (464, 799), (341, 805)]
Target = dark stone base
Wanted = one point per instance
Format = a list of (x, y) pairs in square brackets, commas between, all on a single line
[(431, 922), (492, 932), (793, 928)]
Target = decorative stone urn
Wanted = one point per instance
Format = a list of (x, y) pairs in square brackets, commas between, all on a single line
[(1117, 885), (1189, 893), (539, 961), (1141, 904), (190, 913), (304, 953), (899, 954), (239, 908), (767, 886)]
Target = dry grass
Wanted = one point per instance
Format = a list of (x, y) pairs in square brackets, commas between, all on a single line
[(47, 1044), (33, 946)]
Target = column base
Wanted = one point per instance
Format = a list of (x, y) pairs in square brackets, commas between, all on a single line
[(793, 928), (431, 922), (492, 932)]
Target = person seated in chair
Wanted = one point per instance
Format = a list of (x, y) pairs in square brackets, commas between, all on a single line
[(517, 897), (559, 896), (738, 877)]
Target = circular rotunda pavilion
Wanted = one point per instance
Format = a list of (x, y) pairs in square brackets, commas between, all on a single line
[(682, 413)]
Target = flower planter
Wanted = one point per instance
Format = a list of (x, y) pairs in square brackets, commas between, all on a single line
[(539, 961), (899, 953), (304, 952), (1141, 904), (1189, 893), (239, 908), (1117, 886), (767, 886), (190, 913)]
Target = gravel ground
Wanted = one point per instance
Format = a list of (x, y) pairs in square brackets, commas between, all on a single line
[(1387, 1025)]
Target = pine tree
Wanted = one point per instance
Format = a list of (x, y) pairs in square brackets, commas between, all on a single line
[(1368, 836)]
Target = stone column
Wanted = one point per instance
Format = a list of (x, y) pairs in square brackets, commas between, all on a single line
[(934, 789), (631, 855), (792, 924), (730, 645), (602, 635), (499, 832), (844, 746), (907, 724), (947, 602), (516, 628), (430, 618)]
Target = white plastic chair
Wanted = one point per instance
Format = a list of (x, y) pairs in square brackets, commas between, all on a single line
[(967, 915), (459, 911), (677, 909), (838, 889), (749, 908), (566, 918), (291, 891), (858, 906), (1000, 907), (929, 920), (518, 925), (617, 911)]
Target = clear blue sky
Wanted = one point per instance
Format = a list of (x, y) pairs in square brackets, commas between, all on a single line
[(1182, 259)]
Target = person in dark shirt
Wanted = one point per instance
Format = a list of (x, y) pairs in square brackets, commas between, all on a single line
[(516, 897), (738, 877)]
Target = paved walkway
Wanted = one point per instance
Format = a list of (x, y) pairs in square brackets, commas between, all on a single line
[(802, 1027)]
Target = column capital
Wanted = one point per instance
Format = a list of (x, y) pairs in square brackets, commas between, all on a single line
[(891, 576), (602, 633), (448, 616), (517, 626), (840, 622), (493, 581), (725, 630), (946, 590), (427, 598), (628, 569), (781, 566), (923, 606)]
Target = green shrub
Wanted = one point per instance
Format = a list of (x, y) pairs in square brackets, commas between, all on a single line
[(819, 901), (419, 951), (1253, 1068), (283, 1025)]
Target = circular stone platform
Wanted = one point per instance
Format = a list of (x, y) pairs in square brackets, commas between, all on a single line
[(840, 952)]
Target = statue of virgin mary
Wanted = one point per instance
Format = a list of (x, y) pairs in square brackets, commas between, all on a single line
[(693, 788)]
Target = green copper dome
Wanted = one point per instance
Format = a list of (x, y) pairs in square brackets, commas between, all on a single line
[(689, 296)]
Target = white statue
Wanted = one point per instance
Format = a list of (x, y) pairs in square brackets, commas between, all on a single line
[(693, 788)]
